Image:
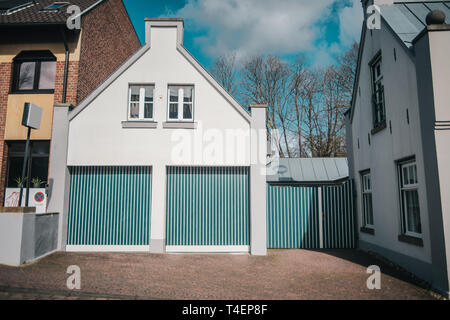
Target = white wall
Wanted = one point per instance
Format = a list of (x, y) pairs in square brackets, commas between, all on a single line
[(405, 140), (96, 136)]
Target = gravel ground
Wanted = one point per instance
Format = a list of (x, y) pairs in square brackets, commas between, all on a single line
[(283, 274)]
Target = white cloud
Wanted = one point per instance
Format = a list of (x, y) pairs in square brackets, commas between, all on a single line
[(249, 27), (350, 22), (255, 26)]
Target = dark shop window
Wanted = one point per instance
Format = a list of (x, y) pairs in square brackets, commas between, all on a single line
[(38, 164)]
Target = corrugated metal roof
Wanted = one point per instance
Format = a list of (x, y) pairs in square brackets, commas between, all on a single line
[(407, 17), (308, 170)]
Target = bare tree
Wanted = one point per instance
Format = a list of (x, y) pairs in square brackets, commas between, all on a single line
[(224, 70), (266, 80), (306, 105)]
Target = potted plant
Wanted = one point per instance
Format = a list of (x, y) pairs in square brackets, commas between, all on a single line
[(19, 181), (37, 182)]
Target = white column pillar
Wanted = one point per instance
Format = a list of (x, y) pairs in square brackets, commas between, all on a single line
[(158, 214), (258, 217), (59, 178)]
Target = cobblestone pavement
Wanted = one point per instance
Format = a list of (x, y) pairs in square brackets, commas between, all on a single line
[(283, 274)]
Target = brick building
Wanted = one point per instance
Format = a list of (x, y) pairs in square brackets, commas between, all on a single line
[(44, 62)]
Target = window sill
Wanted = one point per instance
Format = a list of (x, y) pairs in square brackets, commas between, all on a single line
[(139, 124), (179, 125), (379, 128), (50, 91), (410, 240), (367, 230)]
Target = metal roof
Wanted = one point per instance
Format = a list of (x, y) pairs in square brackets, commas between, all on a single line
[(407, 17), (308, 170)]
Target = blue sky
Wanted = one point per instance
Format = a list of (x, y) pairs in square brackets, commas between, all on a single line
[(318, 29)]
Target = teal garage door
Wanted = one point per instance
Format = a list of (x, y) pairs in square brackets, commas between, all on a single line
[(207, 206), (109, 206), (292, 217), (310, 217)]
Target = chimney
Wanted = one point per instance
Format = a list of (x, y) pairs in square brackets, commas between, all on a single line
[(164, 23)]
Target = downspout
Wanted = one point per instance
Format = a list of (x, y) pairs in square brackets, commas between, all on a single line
[(66, 66)]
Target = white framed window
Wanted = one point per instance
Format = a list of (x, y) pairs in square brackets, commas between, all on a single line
[(180, 105), (140, 102), (367, 206), (379, 110), (409, 198)]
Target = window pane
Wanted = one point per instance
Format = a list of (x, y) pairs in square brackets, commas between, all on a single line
[(173, 94), (187, 111), (148, 94), (173, 111), (39, 172), (14, 171), (134, 110), (26, 75), (413, 211), (188, 93), (134, 93), (148, 110), (405, 176), (47, 75)]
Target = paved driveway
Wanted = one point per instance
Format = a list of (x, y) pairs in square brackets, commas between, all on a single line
[(283, 274)]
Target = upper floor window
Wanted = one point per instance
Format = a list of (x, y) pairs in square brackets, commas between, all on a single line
[(140, 103), (378, 105), (409, 198), (181, 103), (366, 184), (34, 72)]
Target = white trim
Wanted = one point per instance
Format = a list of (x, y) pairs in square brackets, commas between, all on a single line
[(320, 219), (180, 103), (83, 248), (208, 249)]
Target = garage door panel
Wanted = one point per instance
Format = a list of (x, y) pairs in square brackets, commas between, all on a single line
[(207, 206), (109, 206), (292, 217)]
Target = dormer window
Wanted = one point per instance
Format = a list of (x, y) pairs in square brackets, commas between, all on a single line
[(55, 6), (181, 103), (140, 102), (34, 72)]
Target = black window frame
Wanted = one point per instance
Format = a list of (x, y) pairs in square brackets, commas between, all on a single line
[(30, 56), (378, 107), (20, 154)]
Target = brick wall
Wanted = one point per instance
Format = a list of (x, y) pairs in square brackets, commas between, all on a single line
[(72, 82), (5, 82), (108, 39)]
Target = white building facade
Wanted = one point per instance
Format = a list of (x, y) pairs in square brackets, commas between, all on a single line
[(172, 162), (393, 146)]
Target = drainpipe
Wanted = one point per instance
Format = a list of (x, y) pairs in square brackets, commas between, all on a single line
[(66, 65)]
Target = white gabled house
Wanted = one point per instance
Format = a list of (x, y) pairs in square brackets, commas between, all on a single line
[(160, 158), (398, 134)]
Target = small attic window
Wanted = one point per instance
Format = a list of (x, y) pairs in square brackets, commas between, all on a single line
[(55, 6)]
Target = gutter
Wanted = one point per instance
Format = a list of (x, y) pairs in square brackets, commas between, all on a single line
[(66, 65)]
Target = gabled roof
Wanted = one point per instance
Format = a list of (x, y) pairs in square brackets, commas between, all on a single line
[(308, 171), (24, 12), (406, 20), (177, 22)]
